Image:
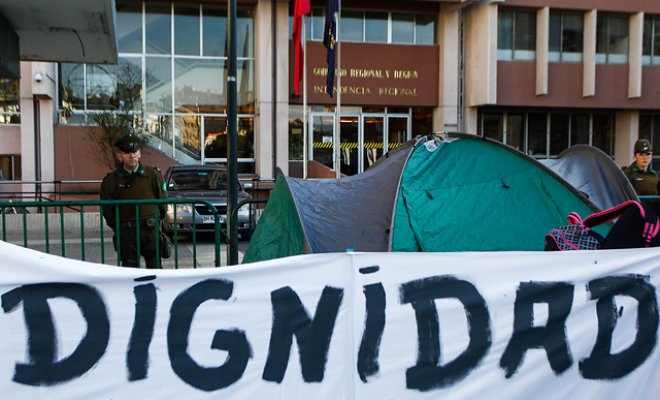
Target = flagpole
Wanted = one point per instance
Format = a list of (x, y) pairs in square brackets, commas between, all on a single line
[(304, 107), (337, 130)]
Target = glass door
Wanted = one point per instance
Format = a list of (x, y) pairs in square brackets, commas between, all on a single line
[(398, 131), (321, 126), (349, 143), (373, 126)]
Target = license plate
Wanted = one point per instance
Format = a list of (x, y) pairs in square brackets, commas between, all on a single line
[(208, 219)]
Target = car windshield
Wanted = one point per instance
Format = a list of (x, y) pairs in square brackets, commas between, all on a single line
[(198, 180)]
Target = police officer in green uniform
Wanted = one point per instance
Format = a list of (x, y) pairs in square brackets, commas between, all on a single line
[(641, 175), (133, 181)]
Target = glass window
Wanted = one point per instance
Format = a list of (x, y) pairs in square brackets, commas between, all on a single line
[(603, 132), (129, 83), (245, 143), (10, 167), (491, 126), (296, 133), (101, 87), (651, 40), (559, 129), (186, 29), (524, 32), (244, 34), (187, 137), (245, 82), (566, 36), (375, 27), (580, 129), (516, 35), (537, 134), (129, 27), (215, 31), (158, 84), (403, 28), (515, 131), (178, 69), (612, 39), (422, 122), (315, 24), (649, 128), (199, 85), (504, 35), (351, 26), (425, 29), (160, 126), (9, 101), (158, 28), (72, 86)]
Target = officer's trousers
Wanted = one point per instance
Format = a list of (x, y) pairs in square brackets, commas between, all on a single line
[(128, 246)]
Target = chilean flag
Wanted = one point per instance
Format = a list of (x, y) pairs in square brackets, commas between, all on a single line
[(301, 7)]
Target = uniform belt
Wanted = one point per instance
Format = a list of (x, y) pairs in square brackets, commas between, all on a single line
[(144, 223)]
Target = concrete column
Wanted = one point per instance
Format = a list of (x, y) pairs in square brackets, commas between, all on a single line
[(626, 127), (481, 55), (589, 52), (445, 117), (37, 91), (635, 55), (542, 44), (266, 148), (27, 124)]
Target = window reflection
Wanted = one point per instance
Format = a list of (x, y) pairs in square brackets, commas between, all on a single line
[(186, 29), (129, 27), (375, 27), (101, 87), (199, 85), (403, 28), (72, 86), (612, 39), (187, 131), (176, 76), (159, 84), (9, 104), (158, 28), (214, 31), (351, 26)]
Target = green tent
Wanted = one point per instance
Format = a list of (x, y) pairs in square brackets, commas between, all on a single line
[(459, 193)]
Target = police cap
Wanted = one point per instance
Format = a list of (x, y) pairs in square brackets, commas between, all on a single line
[(643, 146), (128, 143)]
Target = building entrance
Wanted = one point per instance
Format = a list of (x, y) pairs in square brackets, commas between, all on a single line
[(363, 138)]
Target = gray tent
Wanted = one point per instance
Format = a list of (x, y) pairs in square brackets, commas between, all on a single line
[(591, 171)]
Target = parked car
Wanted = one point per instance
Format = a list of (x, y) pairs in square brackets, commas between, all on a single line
[(203, 182)]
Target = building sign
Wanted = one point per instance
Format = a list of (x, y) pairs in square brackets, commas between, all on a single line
[(374, 74)]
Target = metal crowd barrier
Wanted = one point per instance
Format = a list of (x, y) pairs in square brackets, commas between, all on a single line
[(18, 221)]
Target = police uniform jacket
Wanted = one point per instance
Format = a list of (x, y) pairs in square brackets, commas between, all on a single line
[(645, 182), (144, 183)]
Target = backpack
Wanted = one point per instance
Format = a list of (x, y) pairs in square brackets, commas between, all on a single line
[(636, 226)]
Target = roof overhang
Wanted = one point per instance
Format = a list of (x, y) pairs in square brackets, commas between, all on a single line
[(63, 30)]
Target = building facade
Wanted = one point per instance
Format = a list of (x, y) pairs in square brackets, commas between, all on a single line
[(539, 76)]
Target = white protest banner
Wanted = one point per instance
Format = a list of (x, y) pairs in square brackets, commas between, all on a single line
[(507, 325)]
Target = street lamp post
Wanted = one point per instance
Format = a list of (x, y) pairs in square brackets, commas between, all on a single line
[(232, 138)]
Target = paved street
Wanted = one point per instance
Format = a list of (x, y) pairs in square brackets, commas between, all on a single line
[(200, 254)]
